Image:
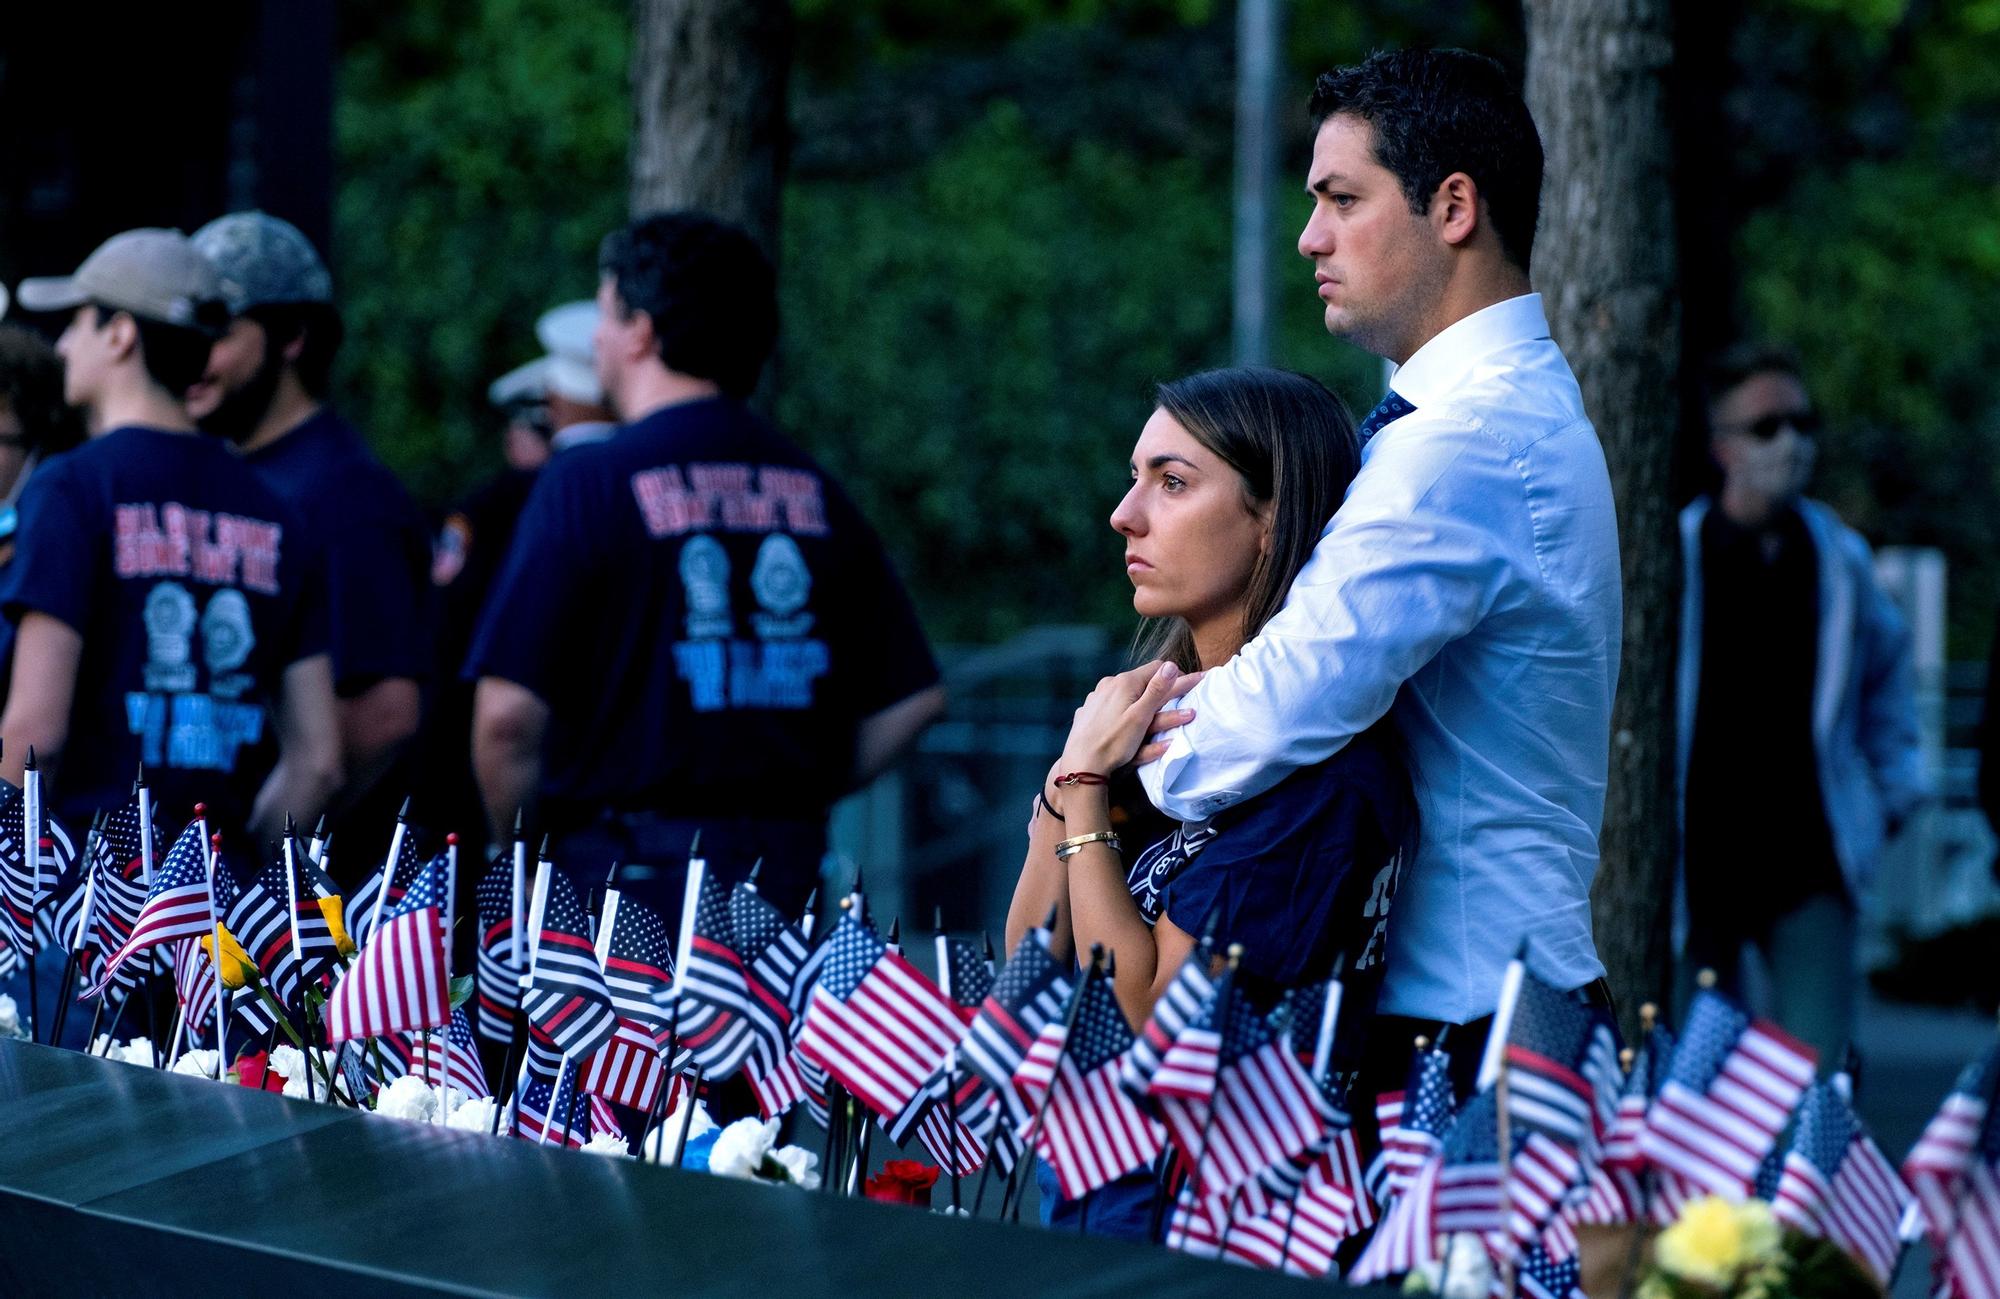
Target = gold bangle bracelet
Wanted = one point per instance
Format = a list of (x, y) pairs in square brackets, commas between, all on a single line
[(1068, 848)]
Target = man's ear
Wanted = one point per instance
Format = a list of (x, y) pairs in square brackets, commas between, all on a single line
[(121, 332), (1455, 211)]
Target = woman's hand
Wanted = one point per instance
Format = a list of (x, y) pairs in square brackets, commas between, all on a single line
[(1112, 723)]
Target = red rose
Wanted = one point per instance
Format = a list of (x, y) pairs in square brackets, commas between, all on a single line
[(255, 1071), (902, 1181)]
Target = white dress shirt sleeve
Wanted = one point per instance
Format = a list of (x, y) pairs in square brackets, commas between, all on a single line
[(1418, 554)]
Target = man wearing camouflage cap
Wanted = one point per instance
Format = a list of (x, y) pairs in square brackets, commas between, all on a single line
[(264, 391), (168, 606)]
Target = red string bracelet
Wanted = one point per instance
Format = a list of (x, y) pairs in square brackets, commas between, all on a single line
[(1079, 778)]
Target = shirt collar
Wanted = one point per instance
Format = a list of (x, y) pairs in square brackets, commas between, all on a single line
[(1444, 363)]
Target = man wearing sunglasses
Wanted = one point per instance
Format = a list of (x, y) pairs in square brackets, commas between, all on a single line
[(1798, 733)]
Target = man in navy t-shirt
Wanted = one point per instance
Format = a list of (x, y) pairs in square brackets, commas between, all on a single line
[(169, 608), (264, 392), (695, 628)]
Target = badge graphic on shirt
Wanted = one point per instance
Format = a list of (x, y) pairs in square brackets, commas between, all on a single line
[(170, 618), (1380, 895), (782, 583), (705, 580), (226, 641)]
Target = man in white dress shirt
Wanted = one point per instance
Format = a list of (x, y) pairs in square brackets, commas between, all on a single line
[(1469, 582)]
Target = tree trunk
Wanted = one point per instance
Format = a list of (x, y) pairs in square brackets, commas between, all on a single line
[(1598, 73), (708, 109)]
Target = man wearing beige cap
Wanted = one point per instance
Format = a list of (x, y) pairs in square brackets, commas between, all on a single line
[(265, 393), (169, 608)]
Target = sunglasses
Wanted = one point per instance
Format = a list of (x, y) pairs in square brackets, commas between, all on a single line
[(1806, 423)]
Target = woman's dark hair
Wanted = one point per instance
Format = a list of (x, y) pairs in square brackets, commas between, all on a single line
[(1435, 112), (709, 289), (31, 386), (1293, 443)]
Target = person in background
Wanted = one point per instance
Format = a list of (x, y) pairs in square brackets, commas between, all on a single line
[(264, 392), (695, 632), (35, 424), (168, 606), (1798, 747)]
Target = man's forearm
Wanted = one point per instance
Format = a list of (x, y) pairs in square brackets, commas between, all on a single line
[(508, 724), (374, 727)]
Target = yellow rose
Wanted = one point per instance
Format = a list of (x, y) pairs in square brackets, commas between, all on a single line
[(1705, 1245), (332, 909), (235, 964)]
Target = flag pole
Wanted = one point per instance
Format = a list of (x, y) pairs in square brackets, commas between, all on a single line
[(1649, 1018), (389, 863), (214, 854), (450, 918), (1034, 1127), (1227, 990), (145, 796), (31, 855), (951, 1055), (687, 1115), (538, 906), (659, 1107), (298, 944), (83, 925)]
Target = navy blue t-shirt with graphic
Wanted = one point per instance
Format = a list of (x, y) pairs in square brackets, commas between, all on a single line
[(193, 589), (377, 547), (708, 618)]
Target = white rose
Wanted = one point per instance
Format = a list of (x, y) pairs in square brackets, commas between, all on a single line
[(605, 1143), (138, 1051), (740, 1148), (660, 1143), (288, 1062), (408, 1098), (201, 1064), (473, 1116), (1468, 1271), (10, 1017), (801, 1164)]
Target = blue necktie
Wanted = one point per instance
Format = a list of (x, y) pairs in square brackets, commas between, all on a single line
[(1391, 408)]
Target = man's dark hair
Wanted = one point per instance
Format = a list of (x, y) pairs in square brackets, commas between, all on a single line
[(175, 355), (710, 291), (1740, 362), (318, 323), (1435, 112), (31, 387)]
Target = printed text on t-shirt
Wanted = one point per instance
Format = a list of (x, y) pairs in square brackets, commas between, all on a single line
[(729, 498), (171, 540)]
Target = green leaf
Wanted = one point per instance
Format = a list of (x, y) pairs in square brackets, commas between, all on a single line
[(461, 990)]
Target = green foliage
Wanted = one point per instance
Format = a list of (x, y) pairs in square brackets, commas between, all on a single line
[(482, 150)]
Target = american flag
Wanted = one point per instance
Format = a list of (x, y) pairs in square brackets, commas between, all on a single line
[(1618, 1185), (1265, 1109), (1955, 1171), (1406, 1238), (497, 977), (1562, 1067), (261, 919), (566, 1000), (115, 890), (26, 878), (1299, 1228), (1730, 1087), (1424, 1114), (1030, 993), (108, 850), (638, 967), (194, 984), (551, 1095), (398, 983), (713, 990), (360, 917), (177, 906), (772, 952), (973, 1109), (874, 1022), (1087, 1127), (458, 1067), (1538, 1275), (1517, 1203), (1175, 1053), (1837, 1186), (628, 1069), (793, 1079)]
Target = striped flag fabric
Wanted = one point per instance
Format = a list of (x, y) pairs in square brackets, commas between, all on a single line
[(177, 905), (1407, 1236), (27, 878), (1937, 1165), (1423, 1116), (1472, 1193), (115, 889), (772, 952), (1264, 1108), (550, 1106), (1299, 1230), (874, 1022), (1029, 994), (627, 1069), (1175, 1054), (1618, 1186), (261, 919), (1835, 1184), (714, 988), (194, 985), (567, 1001), (1562, 1067), (495, 975), (972, 1109), (1731, 1085), (638, 967), (360, 909), (1539, 1275), (458, 1067), (1087, 1127), (397, 983)]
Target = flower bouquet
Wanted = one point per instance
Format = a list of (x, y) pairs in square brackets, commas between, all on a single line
[(1719, 1250)]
